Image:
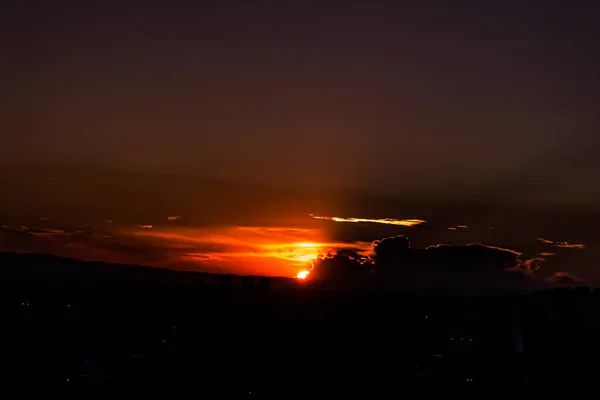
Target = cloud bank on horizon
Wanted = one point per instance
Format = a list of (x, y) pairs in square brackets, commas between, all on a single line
[(286, 251)]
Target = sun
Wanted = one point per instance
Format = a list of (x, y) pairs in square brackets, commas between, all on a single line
[(302, 274)]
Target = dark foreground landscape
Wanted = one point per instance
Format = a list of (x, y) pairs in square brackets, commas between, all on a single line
[(144, 328)]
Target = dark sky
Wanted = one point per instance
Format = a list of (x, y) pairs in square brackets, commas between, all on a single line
[(202, 134), (432, 97)]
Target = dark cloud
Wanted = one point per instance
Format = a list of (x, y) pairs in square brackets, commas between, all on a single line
[(528, 267), (396, 253), (396, 261), (564, 278), (198, 256), (82, 244), (345, 265)]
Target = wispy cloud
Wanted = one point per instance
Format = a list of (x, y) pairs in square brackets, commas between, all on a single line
[(109, 221), (267, 250), (146, 226), (16, 228), (197, 256), (528, 267), (453, 228), (564, 245), (173, 217), (385, 221)]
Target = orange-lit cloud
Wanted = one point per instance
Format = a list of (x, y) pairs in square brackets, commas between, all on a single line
[(109, 221), (281, 251), (564, 245), (451, 229), (43, 232), (16, 228), (146, 226), (564, 278), (528, 267), (462, 226), (173, 217), (385, 221)]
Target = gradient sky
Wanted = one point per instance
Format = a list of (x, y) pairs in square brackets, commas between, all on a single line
[(136, 110), (426, 96)]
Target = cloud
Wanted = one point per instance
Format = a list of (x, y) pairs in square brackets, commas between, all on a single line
[(109, 221), (147, 226), (280, 251), (385, 221), (528, 267), (564, 278), (284, 251), (340, 267), (81, 244), (15, 228), (173, 217), (34, 230), (197, 256), (394, 260), (564, 245), (396, 251)]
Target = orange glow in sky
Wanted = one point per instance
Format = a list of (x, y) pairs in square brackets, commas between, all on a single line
[(271, 251), (302, 274)]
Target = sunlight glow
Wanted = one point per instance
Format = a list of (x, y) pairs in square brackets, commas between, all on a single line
[(254, 250), (302, 274)]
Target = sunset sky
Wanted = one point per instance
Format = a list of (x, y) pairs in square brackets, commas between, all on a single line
[(210, 135)]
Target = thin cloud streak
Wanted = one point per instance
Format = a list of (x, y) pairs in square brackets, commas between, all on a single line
[(563, 245), (385, 221)]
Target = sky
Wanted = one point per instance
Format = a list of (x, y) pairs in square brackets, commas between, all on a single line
[(236, 114)]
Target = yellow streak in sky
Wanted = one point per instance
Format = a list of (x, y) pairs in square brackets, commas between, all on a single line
[(385, 221)]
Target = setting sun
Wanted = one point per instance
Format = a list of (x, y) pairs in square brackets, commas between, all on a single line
[(302, 274)]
